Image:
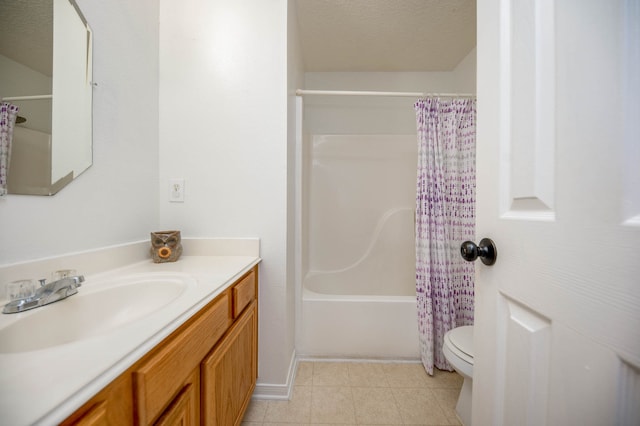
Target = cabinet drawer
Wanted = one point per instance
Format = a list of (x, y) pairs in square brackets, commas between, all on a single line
[(243, 293), (160, 377)]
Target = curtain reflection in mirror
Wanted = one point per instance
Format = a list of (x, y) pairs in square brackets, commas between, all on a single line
[(8, 115)]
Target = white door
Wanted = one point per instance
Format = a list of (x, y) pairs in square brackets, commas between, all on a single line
[(557, 331)]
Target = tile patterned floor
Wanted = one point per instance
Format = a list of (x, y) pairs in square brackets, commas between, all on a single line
[(362, 393)]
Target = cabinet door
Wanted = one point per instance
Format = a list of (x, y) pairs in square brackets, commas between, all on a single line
[(184, 409), (111, 406), (229, 373), (96, 416)]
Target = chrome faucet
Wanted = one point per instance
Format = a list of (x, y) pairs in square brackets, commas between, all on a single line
[(47, 293)]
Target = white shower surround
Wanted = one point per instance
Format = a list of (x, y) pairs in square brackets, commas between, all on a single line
[(352, 322), (358, 296)]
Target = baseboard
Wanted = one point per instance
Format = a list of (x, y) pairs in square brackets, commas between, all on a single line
[(278, 391), (381, 360)]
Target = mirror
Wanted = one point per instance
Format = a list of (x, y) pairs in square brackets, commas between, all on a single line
[(46, 68)]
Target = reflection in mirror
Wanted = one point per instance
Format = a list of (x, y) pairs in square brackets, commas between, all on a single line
[(46, 68)]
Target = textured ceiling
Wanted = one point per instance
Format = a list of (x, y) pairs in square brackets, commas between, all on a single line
[(26, 33), (335, 35), (385, 35)]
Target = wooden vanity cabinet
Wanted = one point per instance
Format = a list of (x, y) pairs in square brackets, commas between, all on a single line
[(203, 373)]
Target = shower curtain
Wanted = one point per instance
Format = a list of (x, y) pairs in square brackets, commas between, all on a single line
[(445, 217), (8, 114)]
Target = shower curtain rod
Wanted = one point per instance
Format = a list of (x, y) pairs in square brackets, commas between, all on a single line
[(302, 92), (26, 98)]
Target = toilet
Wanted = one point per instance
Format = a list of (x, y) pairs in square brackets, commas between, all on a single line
[(458, 350)]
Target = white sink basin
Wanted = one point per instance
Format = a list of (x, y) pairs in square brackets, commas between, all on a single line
[(93, 311)]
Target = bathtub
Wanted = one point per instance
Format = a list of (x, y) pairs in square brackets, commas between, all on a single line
[(368, 309), (359, 326)]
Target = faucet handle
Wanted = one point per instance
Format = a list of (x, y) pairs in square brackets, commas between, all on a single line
[(63, 273), (78, 280)]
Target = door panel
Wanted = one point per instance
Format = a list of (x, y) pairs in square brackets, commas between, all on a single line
[(527, 110), (557, 331), (526, 348)]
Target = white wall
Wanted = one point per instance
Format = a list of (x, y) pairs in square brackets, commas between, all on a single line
[(295, 80), (115, 201), (223, 128), (465, 73), (378, 115)]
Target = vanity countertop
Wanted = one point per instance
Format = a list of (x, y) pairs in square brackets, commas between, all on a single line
[(45, 386)]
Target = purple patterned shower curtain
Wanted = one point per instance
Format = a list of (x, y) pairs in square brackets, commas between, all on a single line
[(445, 217), (8, 114)]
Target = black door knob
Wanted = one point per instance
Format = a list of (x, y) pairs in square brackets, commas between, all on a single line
[(486, 251)]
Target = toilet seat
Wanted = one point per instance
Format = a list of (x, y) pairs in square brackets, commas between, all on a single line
[(462, 339), (458, 349)]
